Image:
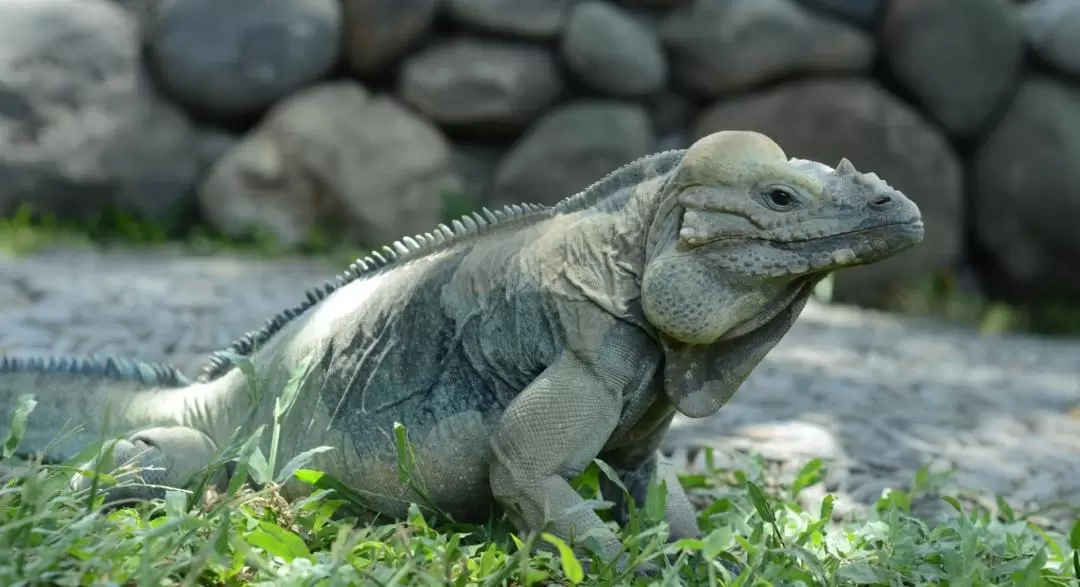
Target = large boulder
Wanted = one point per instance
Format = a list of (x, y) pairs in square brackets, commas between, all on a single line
[(481, 84), (1027, 189), (959, 58), (723, 46), (332, 157), (236, 58), (81, 126), (826, 120), (570, 148), (613, 52)]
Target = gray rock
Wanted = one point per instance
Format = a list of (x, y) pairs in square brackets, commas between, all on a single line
[(865, 13), (1027, 189), (721, 46), (671, 112), (958, 58), (146, 13), (80, 123), (481, 83), (476, 163), (379, 32), (825, 120), (236, 58), (211, 144), (529, 19), (653, 4), (612, 52), (1053, 30), (334, 158), (571, 147)]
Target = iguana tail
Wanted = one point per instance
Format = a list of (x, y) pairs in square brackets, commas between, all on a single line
[(80, 399)]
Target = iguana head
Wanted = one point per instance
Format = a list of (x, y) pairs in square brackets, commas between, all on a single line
[(743, 232)]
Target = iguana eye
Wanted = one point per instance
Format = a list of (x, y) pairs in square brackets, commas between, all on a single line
[(780, 199)]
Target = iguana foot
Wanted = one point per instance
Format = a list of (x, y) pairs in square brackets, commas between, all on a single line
[(149, 462)]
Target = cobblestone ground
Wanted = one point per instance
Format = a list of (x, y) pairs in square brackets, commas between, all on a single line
[(877, 396)]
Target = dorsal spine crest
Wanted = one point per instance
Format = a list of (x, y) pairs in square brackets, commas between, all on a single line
[(389, 256), (460, 230), (111, 367)]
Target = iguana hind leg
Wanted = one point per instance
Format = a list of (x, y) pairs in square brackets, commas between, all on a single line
[(158, 459)]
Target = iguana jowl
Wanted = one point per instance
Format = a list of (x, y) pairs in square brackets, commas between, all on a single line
[(516, 347)]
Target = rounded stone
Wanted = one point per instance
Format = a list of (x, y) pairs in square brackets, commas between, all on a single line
[(612, 52), (959, 58), (81, 125), (332, 158), (826, 120), (571, 147), (864, 13), (1027, 189), (379, 32), (1053, 30), (527, 19), (238, 57), (723, 46), (481, 84)]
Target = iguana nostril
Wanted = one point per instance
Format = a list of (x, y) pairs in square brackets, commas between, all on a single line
[(881, 200)]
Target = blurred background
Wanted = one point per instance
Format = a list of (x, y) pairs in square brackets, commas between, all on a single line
[(334, 125)]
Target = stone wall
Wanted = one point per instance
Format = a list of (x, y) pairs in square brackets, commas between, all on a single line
[(363, 116)]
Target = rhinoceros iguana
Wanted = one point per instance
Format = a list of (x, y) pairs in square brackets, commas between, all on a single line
[(517, 346)]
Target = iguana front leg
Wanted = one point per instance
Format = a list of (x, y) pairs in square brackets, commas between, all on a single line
[(555, 427)]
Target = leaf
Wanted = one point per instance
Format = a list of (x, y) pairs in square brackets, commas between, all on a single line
[(761, 503), (18, 419), (299, 461), (571, 566), (810, 474), (258, 466), (859, 573), (827, 506), (279, 542), (955, 503), (716, 542), (1005, 510), (487, 561), (353, 500), (1032, 573), (175, 503), (405, 462), (285, 401), (1074, 536), (611, 474), (656, 500)]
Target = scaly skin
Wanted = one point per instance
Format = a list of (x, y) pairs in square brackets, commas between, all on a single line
[(516, 349)]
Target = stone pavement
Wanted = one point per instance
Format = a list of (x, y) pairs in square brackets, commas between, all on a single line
[(875, 395)]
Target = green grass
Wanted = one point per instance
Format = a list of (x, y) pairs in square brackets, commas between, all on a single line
[(53, 534)]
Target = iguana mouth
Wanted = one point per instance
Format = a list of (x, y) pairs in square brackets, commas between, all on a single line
[(800, 286), (895, 231)]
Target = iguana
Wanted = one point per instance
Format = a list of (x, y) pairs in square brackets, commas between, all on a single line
[(517, 346)]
